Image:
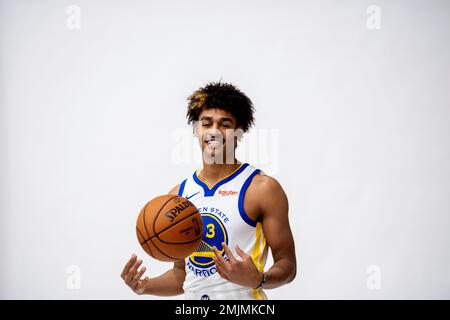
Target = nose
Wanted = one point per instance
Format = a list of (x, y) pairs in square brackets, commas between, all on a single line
[(214, 132)]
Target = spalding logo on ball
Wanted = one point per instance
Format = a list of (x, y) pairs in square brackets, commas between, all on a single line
[(169, 228)]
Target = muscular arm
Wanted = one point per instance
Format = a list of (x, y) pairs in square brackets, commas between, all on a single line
[(266, 197), (169, 283)]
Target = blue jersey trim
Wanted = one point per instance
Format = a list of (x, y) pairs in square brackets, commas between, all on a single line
[(181, 189), (210, 192), (242, 212)]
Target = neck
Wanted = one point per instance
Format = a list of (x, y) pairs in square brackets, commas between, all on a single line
[(212, 173)]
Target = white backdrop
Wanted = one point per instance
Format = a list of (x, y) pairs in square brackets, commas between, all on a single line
[(352, 117)]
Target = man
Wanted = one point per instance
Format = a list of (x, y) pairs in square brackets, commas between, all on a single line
[(244, 212)]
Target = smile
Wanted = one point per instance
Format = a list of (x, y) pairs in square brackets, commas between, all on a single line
[(213, 142)]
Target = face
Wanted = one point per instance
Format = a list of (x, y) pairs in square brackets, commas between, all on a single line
[(217, 132)]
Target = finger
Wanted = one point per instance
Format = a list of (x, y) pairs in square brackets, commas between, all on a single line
[(133, 271), (217, 261), (128, 266), (221, 270), (229, 253), (135, 268), (219, 255), (242, 253), (137, 278)]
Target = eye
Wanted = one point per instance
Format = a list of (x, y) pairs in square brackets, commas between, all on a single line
[(206, 124), (226, 125)]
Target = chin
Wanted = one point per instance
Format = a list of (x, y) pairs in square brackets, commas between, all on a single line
[(212, 152)]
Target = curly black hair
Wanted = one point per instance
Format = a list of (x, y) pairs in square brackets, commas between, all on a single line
[(223, 96)]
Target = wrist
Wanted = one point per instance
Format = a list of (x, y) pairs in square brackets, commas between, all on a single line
[(149, 287), (261, 280)]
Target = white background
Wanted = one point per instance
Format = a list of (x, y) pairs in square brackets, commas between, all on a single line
[(356, 123)]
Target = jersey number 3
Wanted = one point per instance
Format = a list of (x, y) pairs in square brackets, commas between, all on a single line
[(211, 232)]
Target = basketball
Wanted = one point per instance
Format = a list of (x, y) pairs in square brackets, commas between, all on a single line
[(169, 228)]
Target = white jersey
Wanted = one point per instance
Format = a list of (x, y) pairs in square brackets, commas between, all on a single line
[(224, 220)]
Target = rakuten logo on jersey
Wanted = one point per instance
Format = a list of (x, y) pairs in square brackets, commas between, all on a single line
[(227, 193)]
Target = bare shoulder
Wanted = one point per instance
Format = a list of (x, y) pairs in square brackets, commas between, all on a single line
[(263, 184), (263, 195), (175, 189)]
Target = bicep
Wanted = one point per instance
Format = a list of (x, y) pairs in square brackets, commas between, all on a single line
[(275, 223)]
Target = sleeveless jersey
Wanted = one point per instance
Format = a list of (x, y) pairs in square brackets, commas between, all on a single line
[(224, 220)]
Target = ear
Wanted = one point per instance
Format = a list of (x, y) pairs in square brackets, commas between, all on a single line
[(195, 128), (239, 134)]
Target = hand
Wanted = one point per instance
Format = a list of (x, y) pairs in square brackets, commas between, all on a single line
[(132, 276), (242, 272)]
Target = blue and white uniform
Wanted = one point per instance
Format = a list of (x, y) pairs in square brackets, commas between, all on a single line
[(224, 220)]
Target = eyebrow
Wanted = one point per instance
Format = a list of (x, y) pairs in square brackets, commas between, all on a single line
[(221, 119)]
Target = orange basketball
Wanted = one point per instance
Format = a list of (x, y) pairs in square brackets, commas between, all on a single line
[(169, 228)]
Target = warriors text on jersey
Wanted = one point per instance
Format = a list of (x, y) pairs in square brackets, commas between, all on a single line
[(224, 220)]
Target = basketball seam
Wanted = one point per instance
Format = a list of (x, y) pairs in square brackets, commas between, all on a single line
[(154, 231), (165, 229), (145, 242), (151, 252), (179, 242), (159, 212), (157, 215), (145, 224), (137, 229), (143, 219), (162, 251)]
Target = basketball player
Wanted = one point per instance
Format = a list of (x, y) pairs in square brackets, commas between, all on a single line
[(244, 212)]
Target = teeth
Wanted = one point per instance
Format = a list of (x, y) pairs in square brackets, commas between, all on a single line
[(215, 142)]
